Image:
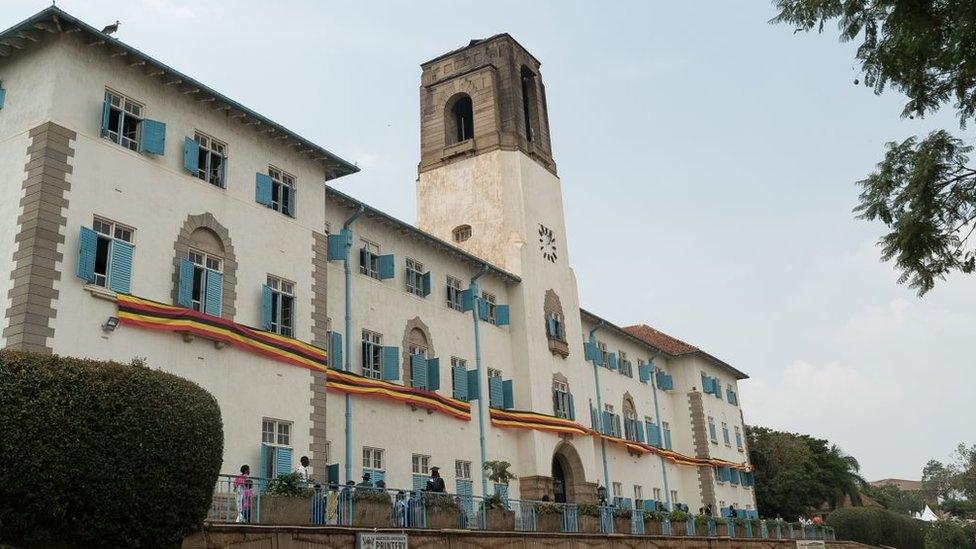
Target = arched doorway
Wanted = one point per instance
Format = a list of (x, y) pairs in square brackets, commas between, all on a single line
[(568, 477), (558, 480)]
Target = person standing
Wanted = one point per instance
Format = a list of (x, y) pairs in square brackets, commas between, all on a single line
[(436, 483), (303, 470), (241, 492)]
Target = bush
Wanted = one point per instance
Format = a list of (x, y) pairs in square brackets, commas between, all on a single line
[(102, 453), (949, 534), (544, 508), (289, 485), (588, 510), (677, 516), (653, 515), (877, 527)]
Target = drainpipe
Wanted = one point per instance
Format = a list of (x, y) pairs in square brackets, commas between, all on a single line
[(482, 379), (347, 272), (660, 432), (599, 411)]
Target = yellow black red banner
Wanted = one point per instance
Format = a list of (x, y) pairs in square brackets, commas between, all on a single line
[(145, 313), (347, 382)]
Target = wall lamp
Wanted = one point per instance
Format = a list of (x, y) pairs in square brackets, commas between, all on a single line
[(111, 324)]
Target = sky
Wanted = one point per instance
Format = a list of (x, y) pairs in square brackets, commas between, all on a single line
[(708, 161)]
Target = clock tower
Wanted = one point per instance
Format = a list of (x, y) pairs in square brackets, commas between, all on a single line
[(488, 184)]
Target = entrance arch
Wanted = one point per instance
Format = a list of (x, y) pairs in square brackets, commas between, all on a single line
[(568, 476)]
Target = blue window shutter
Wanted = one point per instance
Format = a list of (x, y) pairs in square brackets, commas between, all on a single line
[(725, 435), (612, 361), (191, 155), (434, 374), (711, 431), (594, 419), (572, 407), (639, 431), (483, 309), (738, 440), (616, 424), (508, 394), (474, 387), (706, 384), (653, 434), (282, 461), (106, 113), (265, 307), (266, 460), (501, 315), (667, 439), (496, 398), (223, 171), (335, 350), (390, 362), (607, 426), (718, 389), (120, 272), (502, 491), (87, 246), (337, 247), (215, 290), (668, 382), (153, 137), (184, 294), (628, 503), (643, 372), (419, 482), (262, 188), (387, 266), (460, 383), (418, 371), (425, 283), (467, 299), (3, 96), (734, 478), (551, 330)]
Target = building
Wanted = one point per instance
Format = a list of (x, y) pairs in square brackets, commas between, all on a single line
[(145, 214)]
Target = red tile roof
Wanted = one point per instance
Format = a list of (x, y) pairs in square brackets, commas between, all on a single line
[(661, 340)]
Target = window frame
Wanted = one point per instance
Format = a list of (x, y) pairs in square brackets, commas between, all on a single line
[(560, 390), (414, 279), (276, 432), (125, 109), (373, 269), (281, 179), (490, 300), (198, 291), (420, 464), (278, 300), (211, 147), (113, 234), (454, 293), (462, 469), (372, 353), (373, 458)]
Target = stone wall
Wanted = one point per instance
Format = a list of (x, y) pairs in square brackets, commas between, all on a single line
[(278, 537)]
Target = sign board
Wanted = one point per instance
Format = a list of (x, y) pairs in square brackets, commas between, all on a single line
[(810, 544), (384, 540)]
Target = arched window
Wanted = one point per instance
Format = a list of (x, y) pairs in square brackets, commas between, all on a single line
[(461, 233), (460, 119), (529, 101)]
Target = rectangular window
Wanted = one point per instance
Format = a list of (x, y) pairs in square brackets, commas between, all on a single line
[(674, 496), (725, 434), (492, 372), (711, 430), (666, 428), (624, 364), (276, 432), (108, 232), (372, 354), (657, 494), (738, 438), (369, 263), (554, 327), (618, 490), (638, 494), (414, 350), (560, 399), (202, 262), (282, 306), (462, 469), (415, 277), (463, 364), (211, 158), (489, 300), (604, 355), (453, 293), (124, 119), (421, 464), (372, 458), (282, 191)]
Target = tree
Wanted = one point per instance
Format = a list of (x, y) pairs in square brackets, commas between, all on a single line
[(937, 479), (923, 190), (893, 498), (795, 473)]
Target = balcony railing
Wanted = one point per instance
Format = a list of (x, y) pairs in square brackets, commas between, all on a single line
[(369, 507)]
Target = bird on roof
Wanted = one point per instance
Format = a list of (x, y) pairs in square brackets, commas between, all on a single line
[(111, 28)]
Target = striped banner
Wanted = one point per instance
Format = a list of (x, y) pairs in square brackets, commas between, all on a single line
[(518, 419), (136, 311), (347, 382)]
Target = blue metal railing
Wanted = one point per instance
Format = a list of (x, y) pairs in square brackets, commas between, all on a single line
[(247, 501)]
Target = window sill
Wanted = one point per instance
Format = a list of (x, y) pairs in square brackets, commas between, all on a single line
[(100, 292), (558, 347)]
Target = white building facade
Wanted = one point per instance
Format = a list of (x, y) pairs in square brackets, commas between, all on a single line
[(325, 328)]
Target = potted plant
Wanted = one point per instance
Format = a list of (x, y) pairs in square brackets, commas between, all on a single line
[(721, 527), (443, 510), (497, 515), (372, 508), (740, 527), (548, 517), (679, 522), (622, 521), (588, 517), (652, 523), (287, 501)]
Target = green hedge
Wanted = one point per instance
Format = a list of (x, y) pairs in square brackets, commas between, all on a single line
[(877, 527), (103, 454)]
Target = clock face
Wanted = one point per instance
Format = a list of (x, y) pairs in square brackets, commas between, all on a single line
[(547, 243)]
